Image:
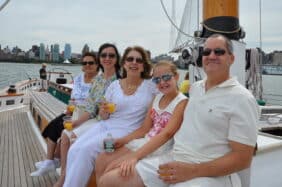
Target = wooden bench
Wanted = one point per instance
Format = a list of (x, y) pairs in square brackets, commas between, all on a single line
[(44, 108)]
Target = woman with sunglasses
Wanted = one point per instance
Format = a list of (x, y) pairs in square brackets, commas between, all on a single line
[(81, 86), (132, 95), (152, 139), (108, 60)]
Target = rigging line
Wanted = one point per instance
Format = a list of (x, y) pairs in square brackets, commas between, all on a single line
[(4, 4), (169, 18), (221, 31)]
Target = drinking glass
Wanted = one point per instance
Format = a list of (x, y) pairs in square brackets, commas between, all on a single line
[(111, 107), (163, 159), (68, 123), (71, 106)]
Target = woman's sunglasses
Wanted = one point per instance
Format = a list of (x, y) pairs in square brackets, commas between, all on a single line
[(216, 51), (165, 77), (110, 55), (88, 62), (137, 60)]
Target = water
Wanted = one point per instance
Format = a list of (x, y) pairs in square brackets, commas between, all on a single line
[(272, 89), (13, 72)]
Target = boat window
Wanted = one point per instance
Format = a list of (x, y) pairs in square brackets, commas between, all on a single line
[(10, 102)]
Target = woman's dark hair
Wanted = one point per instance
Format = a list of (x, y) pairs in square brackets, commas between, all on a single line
[(117, 65), (146, 74), (93, 56)]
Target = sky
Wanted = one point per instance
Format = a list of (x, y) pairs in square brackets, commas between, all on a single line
[(24, 23)]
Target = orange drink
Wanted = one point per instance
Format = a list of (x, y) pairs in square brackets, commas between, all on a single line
[(68, 126), (165, 174), (68, 123), (71, 108), (111, 107), (165, 158)]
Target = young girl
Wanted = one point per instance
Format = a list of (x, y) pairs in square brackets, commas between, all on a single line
[(153, 138)]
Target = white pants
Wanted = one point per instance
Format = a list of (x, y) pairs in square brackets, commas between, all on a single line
[(44, 84), (82, 129), (147, 170), (83, 153)]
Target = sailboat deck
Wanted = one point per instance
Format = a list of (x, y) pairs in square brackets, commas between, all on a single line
[(20, 149)]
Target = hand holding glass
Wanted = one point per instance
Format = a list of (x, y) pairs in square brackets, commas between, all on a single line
[(111, 107), (71, 106), (163, 159), (68, 123)]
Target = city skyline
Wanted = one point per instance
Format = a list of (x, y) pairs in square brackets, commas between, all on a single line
[(125, 23)]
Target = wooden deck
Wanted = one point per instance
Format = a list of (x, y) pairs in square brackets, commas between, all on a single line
[(19, 150)]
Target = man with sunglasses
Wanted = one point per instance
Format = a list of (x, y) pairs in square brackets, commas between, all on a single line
[(218, 134)]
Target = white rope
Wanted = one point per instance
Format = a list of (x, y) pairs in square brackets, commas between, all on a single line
[(253, 76), (171, 21), (4, 4)]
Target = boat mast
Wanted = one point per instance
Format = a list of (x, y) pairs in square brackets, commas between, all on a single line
[(221, 16), (172, 28), (260, 37)]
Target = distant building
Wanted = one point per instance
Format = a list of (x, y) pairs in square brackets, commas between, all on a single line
[(42, 52), (6, 50), (16, 50), (31, 54), (85, 49), (48, 54), (67, 52), (277, 58), (35, 49), (21, 54), (55, 51)]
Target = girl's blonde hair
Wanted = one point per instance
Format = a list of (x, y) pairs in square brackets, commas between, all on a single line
[(166, 63)]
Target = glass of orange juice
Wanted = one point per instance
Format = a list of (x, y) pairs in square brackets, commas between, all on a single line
[(111, 107), (71, 106), (163, 159), (68, 123)]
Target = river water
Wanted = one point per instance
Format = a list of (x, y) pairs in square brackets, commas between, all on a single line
[(13, 72)]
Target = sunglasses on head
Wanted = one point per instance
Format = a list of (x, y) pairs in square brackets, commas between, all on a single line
[(165, 77), (105, 55), (216, 51), (137, 60), (88, 62)]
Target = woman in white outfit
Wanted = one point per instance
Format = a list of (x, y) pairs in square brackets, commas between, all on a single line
[(108, 61), (153, 138), (52, 133), (132, 96)]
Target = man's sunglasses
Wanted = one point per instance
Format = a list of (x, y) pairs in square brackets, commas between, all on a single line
[(216, 51), (88, 62), (137, 60), (110, 55), (165, 77)]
